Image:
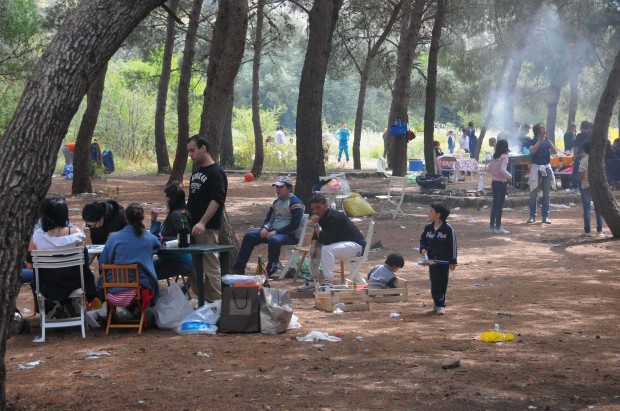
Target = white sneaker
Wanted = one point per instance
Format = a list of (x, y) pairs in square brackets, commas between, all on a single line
[(307, 286), (501, 231), (441, 311), (584, 234), (492, 230)]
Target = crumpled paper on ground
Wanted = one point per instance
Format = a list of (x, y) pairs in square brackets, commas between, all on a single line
[(318, 335)]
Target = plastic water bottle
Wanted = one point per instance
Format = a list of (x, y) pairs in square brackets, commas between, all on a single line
[(496, 328)]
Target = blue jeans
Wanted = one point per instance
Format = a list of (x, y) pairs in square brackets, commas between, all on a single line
[(586, 197), (251, 239), (27, 276), (544, 183), (574, 177), (499, 196), (344, 148), (439, 283)]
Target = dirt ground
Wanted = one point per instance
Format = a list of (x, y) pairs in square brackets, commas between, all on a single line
[(558, 294)]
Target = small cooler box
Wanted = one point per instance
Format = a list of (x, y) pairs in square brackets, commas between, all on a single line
[(415, 164)]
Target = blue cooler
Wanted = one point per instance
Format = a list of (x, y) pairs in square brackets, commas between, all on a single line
[(415, 164)]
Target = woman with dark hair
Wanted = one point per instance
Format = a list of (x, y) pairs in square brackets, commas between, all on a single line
[(57, 233), (134, 245), (167, 266), (103, 218), (499, 184)]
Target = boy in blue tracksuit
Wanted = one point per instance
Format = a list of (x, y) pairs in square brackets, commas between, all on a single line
[(438, 245), (342, 135)]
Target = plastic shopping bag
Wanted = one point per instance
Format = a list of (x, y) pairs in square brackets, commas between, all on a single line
[(276, 310), (203, 320), (356, 206), (171, 308)]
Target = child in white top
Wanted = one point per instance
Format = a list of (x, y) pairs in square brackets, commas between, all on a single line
[(500, 178)]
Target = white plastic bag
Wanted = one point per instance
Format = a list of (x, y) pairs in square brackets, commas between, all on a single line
[(203, 320), (171, 308)]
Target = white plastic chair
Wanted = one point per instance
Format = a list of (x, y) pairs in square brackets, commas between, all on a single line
[(391, 202), (64, 258), (354, 264), (292, 251)]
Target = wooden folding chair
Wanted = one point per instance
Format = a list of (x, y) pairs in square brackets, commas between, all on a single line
[(391, 202), (355, 263), (125, 276), (50, 261), (291, 251)]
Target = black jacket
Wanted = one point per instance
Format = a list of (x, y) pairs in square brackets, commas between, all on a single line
[(336, 227), (113, 220)]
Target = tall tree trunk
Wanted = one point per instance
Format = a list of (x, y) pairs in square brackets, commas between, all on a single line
[(227, 157), (364, 77), (517, 63), (225, 57), (87, 39), (431, 87), (180, 158), (310, 164), (409, 35), (224, 61), (81, 159), (161, 148), (602, 196), (259, 152), (573, 73), (552, 108)]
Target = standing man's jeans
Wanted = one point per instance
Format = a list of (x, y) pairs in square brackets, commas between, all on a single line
[(544, 183), (251, 239), (586, 197), (499, 196), (345, 148), (574, 177), (327, 255), (211, 267)]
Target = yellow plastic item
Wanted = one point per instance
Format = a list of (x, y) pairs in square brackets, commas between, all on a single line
[(355, 206), (495, 336)]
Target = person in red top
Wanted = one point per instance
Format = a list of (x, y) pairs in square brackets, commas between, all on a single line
[(67, 150)]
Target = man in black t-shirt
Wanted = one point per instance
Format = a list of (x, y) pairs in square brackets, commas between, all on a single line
[(207, 195)]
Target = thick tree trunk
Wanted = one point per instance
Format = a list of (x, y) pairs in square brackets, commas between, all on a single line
[(364, 77), (180, 158), (225, 57), (259, 152), (89, 36), (161, 148), (602, 196), (517, 64), (81, 159), (227, 157), (409, 35), (552, 109), (431, 87), (310, 164)]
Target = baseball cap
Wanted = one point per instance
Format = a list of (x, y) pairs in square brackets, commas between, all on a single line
[(282, 181)]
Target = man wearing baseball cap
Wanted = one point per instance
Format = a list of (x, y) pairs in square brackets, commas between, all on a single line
[(281, 227)]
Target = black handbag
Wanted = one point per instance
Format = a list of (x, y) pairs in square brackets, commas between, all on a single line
[(240, 310)]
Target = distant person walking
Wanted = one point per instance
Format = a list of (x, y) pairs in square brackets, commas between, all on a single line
[(279, 137), (342, 135)]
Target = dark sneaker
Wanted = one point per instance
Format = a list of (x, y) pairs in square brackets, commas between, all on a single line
[(272, 267)]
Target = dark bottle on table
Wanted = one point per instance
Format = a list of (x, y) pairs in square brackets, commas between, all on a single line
[(184, 239)]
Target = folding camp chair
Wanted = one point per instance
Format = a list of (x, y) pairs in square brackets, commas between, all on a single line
[(124, 276), (46, 263), (354, 264), (391, 202)]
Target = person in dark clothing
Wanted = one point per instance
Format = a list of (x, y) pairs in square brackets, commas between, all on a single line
[(103, 219), (335, 237), (569, 137), (438, 246), (473, 140), (585, 134)]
